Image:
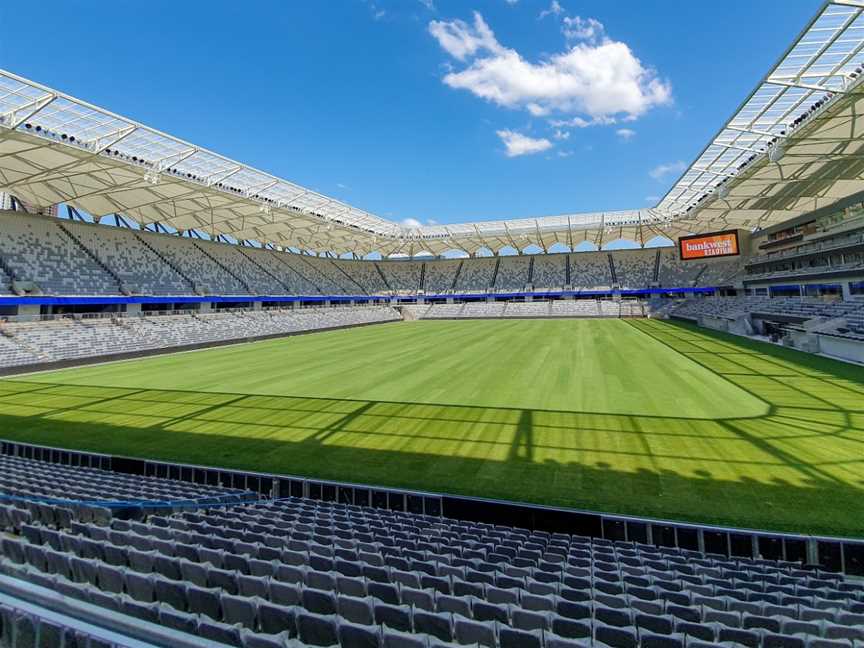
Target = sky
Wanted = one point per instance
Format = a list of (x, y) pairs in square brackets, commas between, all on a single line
[(422, 111)]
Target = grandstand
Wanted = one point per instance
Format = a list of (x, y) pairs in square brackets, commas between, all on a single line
[(293, 422)]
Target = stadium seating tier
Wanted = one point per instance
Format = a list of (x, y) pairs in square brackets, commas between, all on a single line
[(276, 572)]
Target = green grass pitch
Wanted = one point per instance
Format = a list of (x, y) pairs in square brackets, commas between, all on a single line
[(627, 416)]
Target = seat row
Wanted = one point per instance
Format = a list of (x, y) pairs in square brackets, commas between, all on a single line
[(294, 578), (30, 479)]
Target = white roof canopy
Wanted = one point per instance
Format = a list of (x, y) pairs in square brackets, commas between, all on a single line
[(776, 158)]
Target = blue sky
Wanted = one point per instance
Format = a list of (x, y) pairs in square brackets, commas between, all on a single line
[(434, 110)]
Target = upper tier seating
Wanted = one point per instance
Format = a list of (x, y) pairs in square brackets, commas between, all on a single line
[(327, 278), (590, 271), (440, 276), (365, 274), (512, 273), (244, 267), (402, 276), (37, 250), (5, 281), (108, 260), (549, 272), (721, 272), (677, 273), (476, 275), (275, 264), (70, 338), (329, 574), (634, 269), (207, 275), (141, 270)]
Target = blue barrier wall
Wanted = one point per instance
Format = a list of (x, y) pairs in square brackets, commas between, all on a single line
[(211, 299)]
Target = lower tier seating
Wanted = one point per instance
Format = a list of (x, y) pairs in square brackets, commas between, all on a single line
[(792, 307), (28, 480), (70, 339), (538, 309), (326, 574), (22, 627)]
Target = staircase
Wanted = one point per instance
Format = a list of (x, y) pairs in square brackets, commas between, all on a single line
[(146, 244), (495, 272), (263, 269), (121, 287), (567, 281), (699, 274), (656, 278), (383, 278), (423, 276), (363, 291), (224, 268), (39, 353), (612, 271), (7, 270), (531, 271), (6, 275), (456, 276)]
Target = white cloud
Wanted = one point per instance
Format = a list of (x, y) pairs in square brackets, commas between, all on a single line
[(662, 170), (341, 186), (600, 81), (576, 122), (625, 133), (518, 144), (560, 134), (511, 2), (461, 40), (565, 154), (429, 4), (412, 223), (555, 9), (652, 199), (579, 122), (587, 29)]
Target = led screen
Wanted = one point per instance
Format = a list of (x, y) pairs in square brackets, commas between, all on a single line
[(703, 246)]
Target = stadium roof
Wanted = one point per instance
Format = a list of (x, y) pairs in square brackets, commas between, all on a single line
[(791, 147)]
